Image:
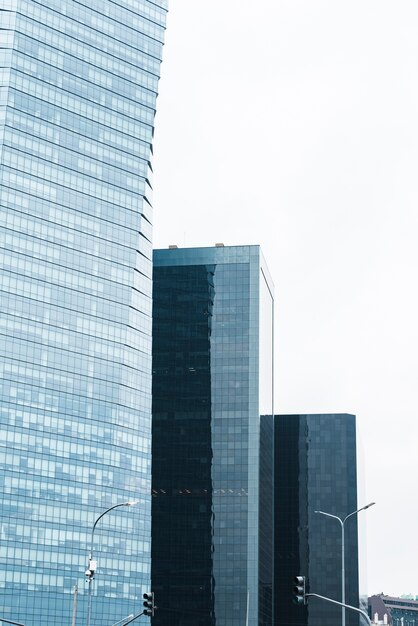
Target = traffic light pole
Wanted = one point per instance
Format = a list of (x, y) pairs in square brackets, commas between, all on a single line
[(149, 604), (346, 606), (134, 618)]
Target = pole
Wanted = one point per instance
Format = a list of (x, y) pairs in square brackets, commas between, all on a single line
[(134, 618), (89, 599), (90, 572), (346, 606), (342, 522), (343, 572), (74, 605), (123, 620)]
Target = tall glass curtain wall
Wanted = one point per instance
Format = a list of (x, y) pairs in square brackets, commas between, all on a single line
[(315, 469), (182, 457), (78, 91), (266, 527), (206, 435), (266, 453)]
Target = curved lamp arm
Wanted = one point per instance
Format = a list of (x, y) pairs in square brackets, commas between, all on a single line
[(129, 503), (363, 508), (333, 516)]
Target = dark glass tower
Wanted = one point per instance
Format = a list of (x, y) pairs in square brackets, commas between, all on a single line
[(315, 469), (212, 373), (78, 89)]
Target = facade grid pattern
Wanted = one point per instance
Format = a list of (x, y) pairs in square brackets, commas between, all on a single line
[(315, 470), (78, 87), (206, 438)]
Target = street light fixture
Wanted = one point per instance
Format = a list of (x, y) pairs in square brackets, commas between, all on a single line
[(92, 565), (342, 522)]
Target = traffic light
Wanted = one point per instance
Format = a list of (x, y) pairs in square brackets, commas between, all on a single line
[(149, 604), (299, 590)]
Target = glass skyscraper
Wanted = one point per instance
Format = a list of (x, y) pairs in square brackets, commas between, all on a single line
[(315, 469), (212, 490), (78, 88)]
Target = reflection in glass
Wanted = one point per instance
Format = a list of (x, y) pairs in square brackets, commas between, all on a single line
[(210, 537), (315, 469)]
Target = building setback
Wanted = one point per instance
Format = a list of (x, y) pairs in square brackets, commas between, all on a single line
[(78, 91), (212, 375), (315, 469)]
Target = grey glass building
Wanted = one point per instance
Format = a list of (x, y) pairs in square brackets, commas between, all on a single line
[(212, 374), (315, 469), (78, 87)]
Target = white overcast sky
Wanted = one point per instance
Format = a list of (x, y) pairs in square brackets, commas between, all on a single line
[(293, 124)]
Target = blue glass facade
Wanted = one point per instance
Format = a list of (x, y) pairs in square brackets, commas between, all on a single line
[(315, 469), (212, 541), (78, 87)]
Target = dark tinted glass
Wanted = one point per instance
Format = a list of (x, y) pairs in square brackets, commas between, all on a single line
[(315, 469)]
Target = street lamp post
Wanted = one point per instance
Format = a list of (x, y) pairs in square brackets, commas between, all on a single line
[(342, 522), (91, 569)]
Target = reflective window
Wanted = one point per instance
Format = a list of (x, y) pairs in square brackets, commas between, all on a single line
[(315, 469), (206, 440), (78, 86)]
